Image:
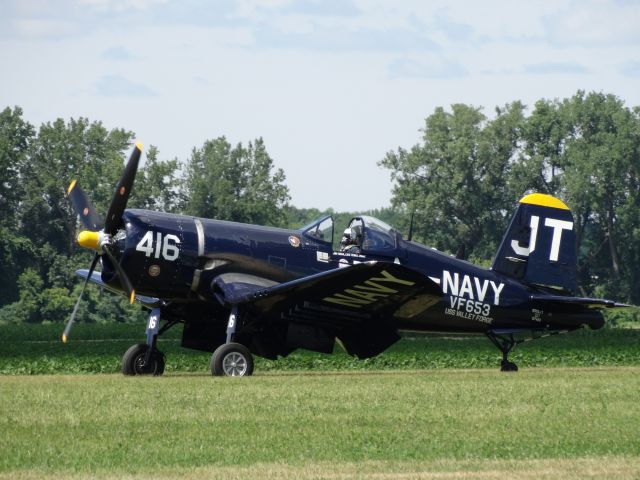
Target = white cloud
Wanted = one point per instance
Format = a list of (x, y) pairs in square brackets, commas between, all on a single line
[(120, 6), (631, 68), (553, 68), (595, 24), (44, 28), (117, 53), (119, 86), (433, 67)]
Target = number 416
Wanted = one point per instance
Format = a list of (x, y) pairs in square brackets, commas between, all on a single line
[(166, 245)]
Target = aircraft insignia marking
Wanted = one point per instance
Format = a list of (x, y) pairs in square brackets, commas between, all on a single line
[(557, 225), (369, 291), (294, 241), (166, 247), (477, 289)]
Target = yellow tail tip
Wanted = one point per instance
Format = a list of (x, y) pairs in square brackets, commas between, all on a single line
[(132, 297), (64, 338), (73, 184), (139, 145), (544, 201)]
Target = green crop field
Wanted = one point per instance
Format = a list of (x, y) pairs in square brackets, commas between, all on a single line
[(37, 349)]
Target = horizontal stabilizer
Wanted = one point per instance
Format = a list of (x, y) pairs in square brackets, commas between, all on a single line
[(590, 303)]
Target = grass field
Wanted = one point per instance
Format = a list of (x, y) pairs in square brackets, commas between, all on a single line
[(36, 349), (427, 408), (538, 423)]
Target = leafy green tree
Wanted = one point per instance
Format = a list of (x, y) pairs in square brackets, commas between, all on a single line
[(298, 217), (30, 304), (602, 184), (38, 246), (15, 137), (235, 183), (455, 180), (541, 161), (16, 250), (158, 184)]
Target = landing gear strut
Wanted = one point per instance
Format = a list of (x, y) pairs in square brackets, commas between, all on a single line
[(145, 358), (505, 343), (232, 359)]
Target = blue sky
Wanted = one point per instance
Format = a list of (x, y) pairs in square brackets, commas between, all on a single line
[(331, 86)]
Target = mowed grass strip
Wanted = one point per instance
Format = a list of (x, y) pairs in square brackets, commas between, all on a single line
[(406, 423), (618, 468)]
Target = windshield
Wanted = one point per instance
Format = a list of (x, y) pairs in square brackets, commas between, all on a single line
[(321, 229)]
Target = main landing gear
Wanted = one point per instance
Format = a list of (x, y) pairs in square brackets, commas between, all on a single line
[(145, 358), (232, 359), (134, 361), (505, 343)]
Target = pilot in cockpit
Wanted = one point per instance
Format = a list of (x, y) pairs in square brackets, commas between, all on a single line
[(348, 243)]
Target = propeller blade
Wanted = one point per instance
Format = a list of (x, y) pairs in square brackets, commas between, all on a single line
[(124, 279), (123, 190), (89, 217), (67, 328)]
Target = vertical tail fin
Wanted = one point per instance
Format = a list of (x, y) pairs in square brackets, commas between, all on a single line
[(539, 247)]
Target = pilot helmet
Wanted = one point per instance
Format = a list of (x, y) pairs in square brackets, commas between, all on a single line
[(346, 236)]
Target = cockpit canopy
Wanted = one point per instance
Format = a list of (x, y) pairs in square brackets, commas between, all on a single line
[(371, 235)]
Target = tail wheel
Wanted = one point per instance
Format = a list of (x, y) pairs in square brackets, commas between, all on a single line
[(232, 360), (133, 361)]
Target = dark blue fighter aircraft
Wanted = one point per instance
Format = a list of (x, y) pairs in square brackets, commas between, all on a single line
[(242, 290)]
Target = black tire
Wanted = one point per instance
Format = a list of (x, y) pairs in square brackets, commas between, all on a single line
[(506, 366), (232, 360), (134, 357)]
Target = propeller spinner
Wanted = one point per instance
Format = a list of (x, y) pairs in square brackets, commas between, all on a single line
[(97, 235)]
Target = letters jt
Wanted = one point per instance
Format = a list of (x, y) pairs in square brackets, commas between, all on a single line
[(557, 225)]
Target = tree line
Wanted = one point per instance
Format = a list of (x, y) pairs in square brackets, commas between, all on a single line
[(461, 182)]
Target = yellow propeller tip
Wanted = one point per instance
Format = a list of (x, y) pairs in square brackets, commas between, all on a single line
[(139, 145), (73, 184), (132, 297), (64, 338)]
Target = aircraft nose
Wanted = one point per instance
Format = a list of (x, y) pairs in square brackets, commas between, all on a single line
[(88, 239)]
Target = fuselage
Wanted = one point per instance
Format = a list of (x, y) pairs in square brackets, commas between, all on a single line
[(177, 258)]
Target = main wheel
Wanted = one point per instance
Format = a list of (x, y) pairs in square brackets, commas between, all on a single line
[(507, 366), (133, 361), (232, 360)]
